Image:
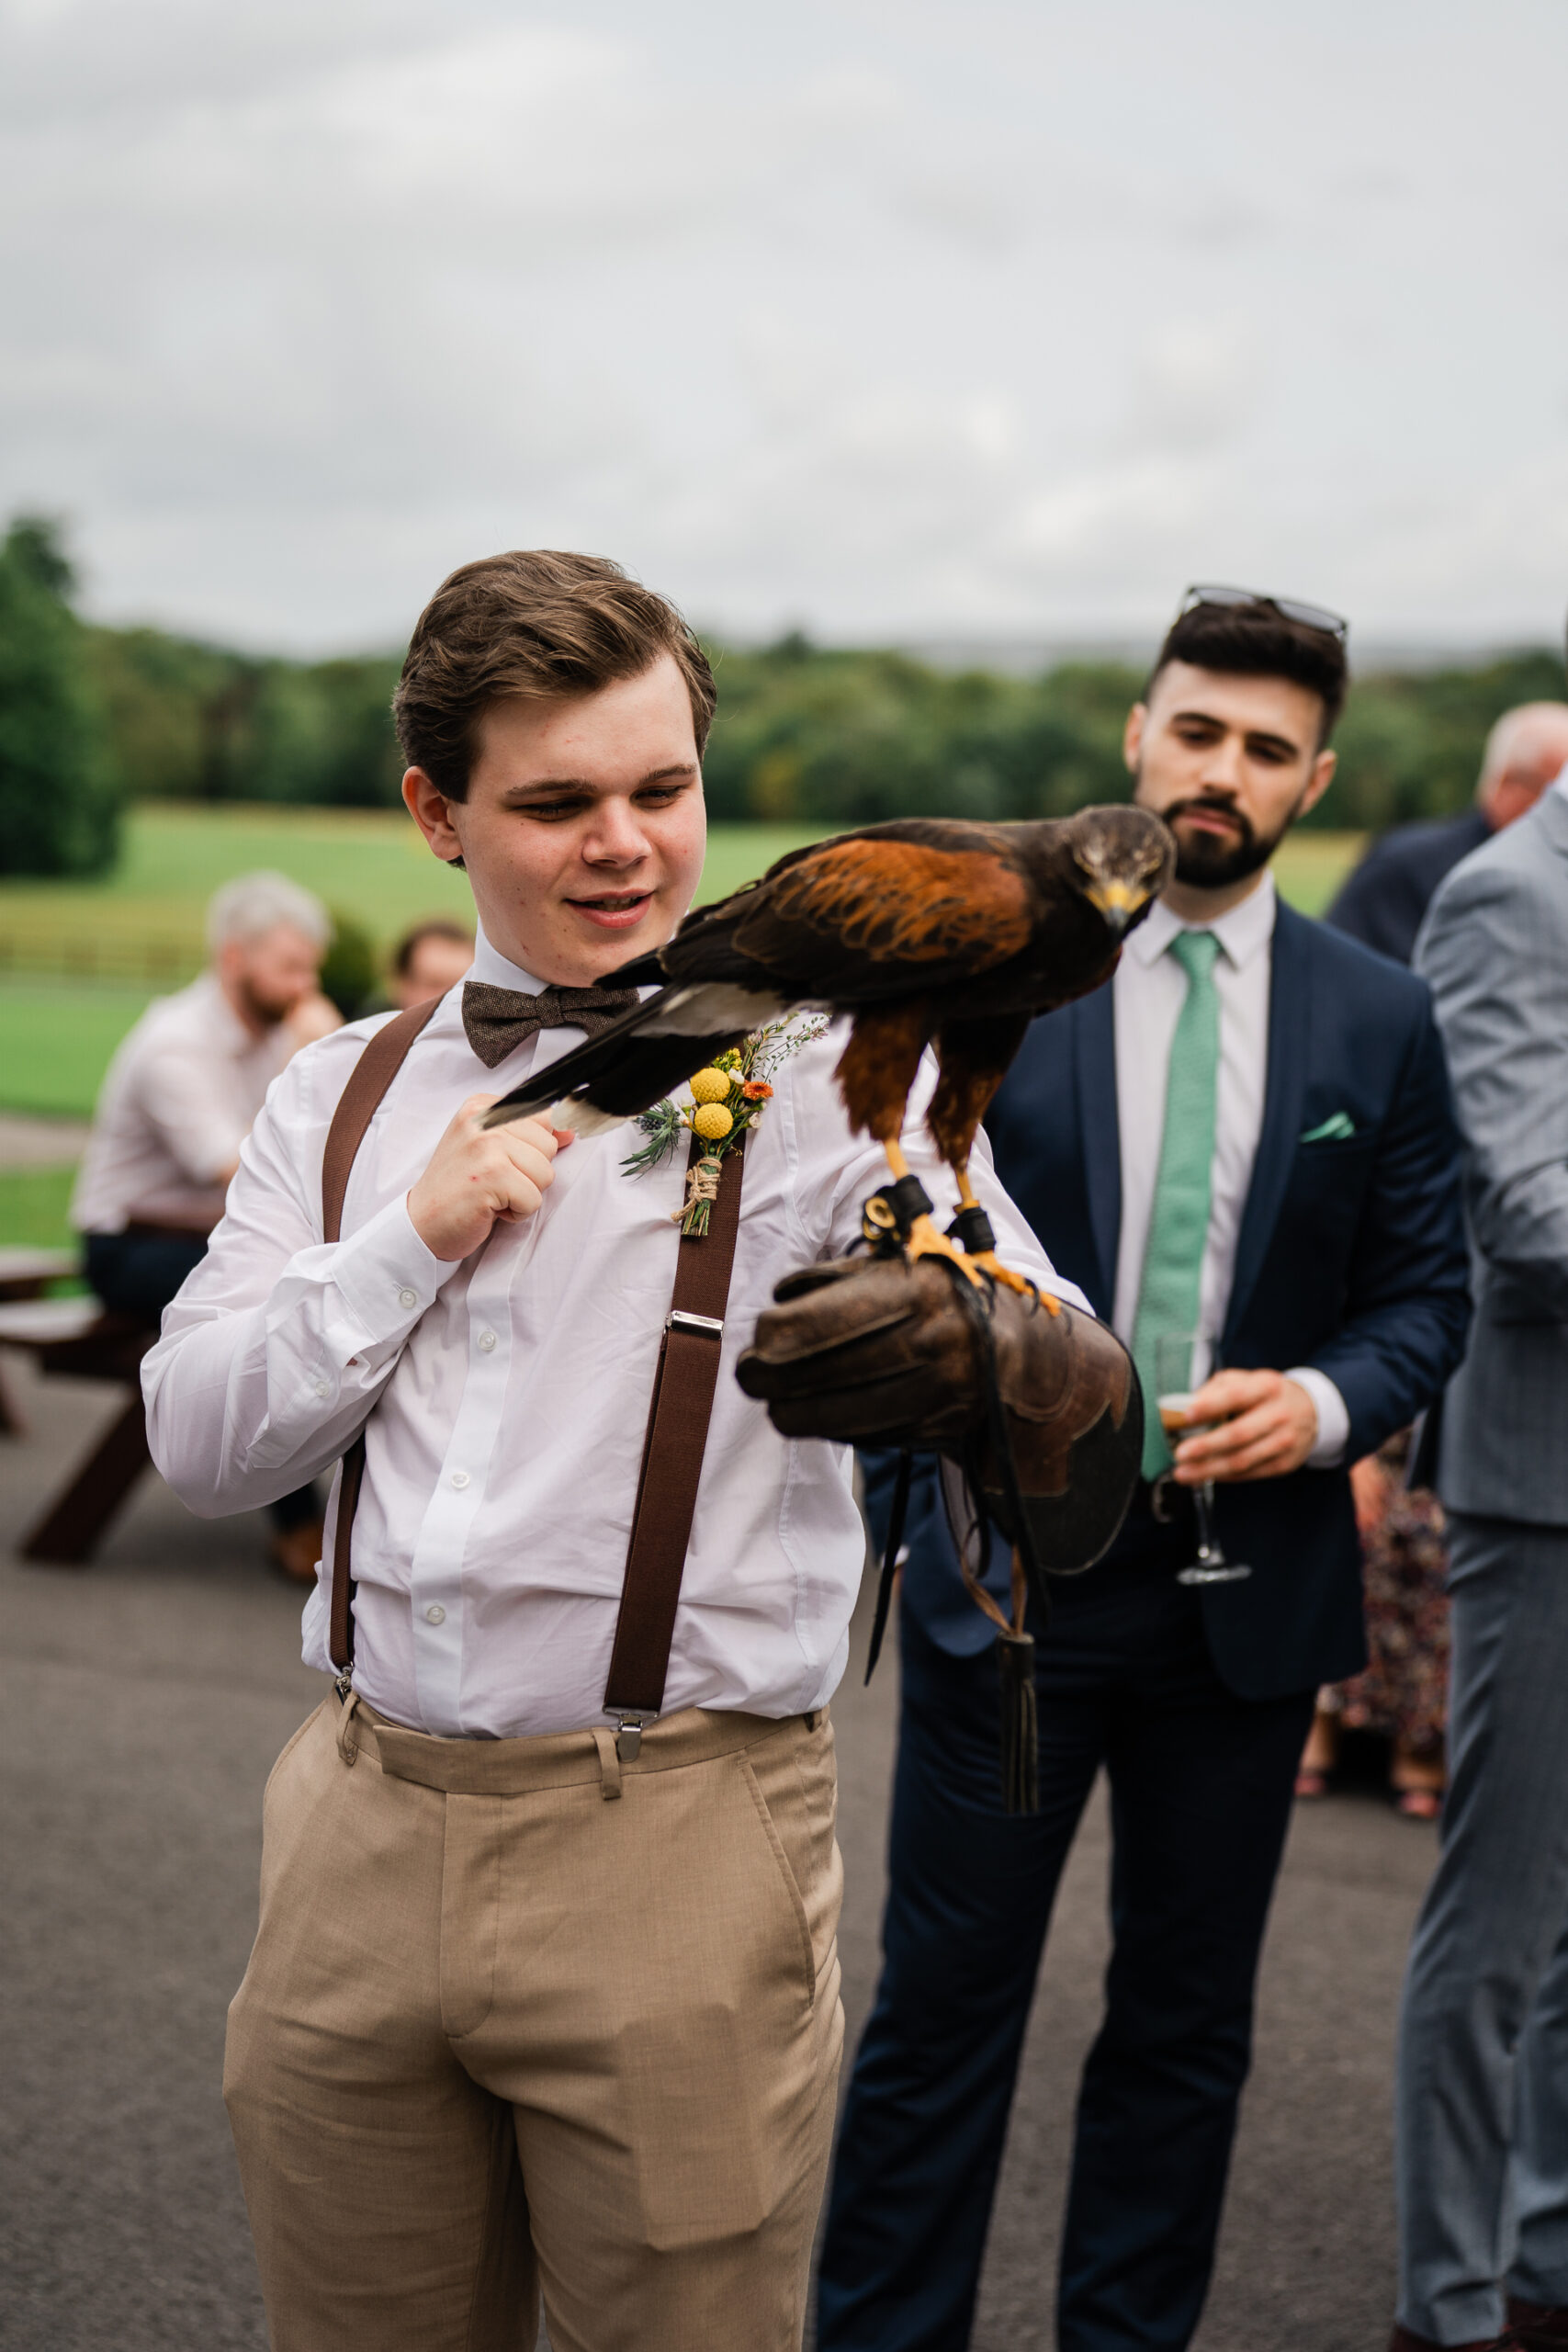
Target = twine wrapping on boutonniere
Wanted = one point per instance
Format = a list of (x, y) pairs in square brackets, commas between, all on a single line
[(728, 1095)]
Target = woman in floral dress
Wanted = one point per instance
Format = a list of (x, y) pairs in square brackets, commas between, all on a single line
[(1402, 1692)]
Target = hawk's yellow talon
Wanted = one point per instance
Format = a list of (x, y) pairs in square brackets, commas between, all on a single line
[(925, 1241), (989, 1262)]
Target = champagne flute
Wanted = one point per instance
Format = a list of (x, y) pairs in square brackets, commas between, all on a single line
[(1183, 1360)]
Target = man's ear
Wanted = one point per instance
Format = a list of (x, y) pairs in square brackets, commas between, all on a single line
[(1133, 735), (1322, 776), (432, 812)]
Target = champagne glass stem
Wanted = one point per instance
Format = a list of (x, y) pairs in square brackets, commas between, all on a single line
[(1203, 1496)]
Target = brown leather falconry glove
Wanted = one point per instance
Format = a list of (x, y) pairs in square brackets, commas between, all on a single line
[(880, 1351), (1034, 1410)]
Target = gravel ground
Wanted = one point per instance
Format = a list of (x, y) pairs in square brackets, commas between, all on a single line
[(145, 1700)]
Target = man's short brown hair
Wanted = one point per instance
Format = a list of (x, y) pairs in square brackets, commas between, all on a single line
[(531, 624), (1259, 641)]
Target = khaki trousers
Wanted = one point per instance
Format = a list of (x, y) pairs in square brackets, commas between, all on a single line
[(522, 2019)]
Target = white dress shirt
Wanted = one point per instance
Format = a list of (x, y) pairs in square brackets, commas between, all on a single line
[(179, 1099), (1149, 989), (502, 1456)]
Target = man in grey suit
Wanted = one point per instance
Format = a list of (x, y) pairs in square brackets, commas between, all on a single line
[(1482, 2095)]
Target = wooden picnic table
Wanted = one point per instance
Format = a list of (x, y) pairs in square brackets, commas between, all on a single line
[(26, 1273), (76, 1339)]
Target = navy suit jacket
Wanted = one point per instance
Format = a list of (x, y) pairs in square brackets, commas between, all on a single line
[(1351, 1257)]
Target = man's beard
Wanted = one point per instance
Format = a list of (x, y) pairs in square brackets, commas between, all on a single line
[(1208, 863), (263, 1009)]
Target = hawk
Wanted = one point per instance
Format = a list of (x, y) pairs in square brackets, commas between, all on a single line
[(924, 931)]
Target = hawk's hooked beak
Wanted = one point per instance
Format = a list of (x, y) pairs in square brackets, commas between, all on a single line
[(1117, 903)]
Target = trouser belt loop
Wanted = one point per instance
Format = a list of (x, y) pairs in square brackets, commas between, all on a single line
[(347, 1741), (609, 1762)]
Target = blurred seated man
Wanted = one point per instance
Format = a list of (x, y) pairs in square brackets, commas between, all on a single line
[(1383, 901), (178, 1101), (428, 960)]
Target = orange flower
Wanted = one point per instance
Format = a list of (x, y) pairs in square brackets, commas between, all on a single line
[(756, 1089)]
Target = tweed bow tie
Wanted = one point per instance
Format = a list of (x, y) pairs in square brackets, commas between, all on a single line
[(500, 1020)]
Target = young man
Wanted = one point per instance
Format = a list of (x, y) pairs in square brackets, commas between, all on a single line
[(1246, 1135), (497, 2032), (178, 1102)]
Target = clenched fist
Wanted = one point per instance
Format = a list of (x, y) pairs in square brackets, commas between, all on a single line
[(478, 1178)]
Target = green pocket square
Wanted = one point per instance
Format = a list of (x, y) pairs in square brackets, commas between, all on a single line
[(1331, 1130)]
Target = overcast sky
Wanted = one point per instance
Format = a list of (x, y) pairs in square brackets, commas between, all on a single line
[(998, 319)]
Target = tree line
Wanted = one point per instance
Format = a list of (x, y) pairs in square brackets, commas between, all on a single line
[(91, 716)]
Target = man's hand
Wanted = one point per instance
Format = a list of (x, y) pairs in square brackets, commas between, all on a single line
[(1271, 1427), (314, 1016), (482, 1177)]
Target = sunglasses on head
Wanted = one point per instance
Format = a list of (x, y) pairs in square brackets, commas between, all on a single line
[(1307, 616)]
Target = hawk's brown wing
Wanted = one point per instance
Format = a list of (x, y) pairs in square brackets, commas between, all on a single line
[(866, 918)]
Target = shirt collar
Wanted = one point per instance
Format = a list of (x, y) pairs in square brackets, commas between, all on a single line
[(490, 964), (1243, 931), (1561, 782)]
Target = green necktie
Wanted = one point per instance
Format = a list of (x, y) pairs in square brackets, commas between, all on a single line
[(1173, 1262)]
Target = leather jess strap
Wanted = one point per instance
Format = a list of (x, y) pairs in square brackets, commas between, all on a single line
[(684, 1385)]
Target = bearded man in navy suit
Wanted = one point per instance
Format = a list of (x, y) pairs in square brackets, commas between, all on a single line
[(1246, 1134)]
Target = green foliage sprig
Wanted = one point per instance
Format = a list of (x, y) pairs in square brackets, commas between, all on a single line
[(749, 1069)]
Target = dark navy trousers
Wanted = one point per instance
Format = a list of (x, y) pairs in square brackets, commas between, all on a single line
[(1200, 1788), (138, 1273)]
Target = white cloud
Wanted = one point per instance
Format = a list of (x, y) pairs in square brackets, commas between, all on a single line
[(1016, 317)]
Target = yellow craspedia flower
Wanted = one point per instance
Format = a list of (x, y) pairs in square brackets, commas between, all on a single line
[(710, 1086), (712, 1122)]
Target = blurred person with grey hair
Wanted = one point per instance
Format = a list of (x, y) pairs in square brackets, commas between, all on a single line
[(1382, 903), (175, 1107)]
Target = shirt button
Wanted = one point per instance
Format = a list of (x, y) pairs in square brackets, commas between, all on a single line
[(322, 1389), (459, 1478), (436, 1614), (408, 1298), (487, 1340)]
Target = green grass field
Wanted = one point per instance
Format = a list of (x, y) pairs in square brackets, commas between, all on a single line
[(33, 1201), (57, 1032)]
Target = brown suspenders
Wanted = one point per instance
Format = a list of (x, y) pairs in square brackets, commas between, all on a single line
[(683, 1390), (369, 1081), (673, 1461)]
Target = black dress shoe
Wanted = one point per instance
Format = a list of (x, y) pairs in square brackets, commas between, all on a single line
[(1535, 2328), (1404, 2339)]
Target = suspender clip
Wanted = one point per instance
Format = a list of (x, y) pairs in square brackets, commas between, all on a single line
[(628, 1736), (678, 1319)]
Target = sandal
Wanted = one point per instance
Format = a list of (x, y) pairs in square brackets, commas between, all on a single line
[(1419, 1804), (1311, 1782)]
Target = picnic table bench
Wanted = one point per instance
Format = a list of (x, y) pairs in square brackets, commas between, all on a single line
[(77, 1339)]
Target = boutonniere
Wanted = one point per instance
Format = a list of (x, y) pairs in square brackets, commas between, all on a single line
[(727, 1098)]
